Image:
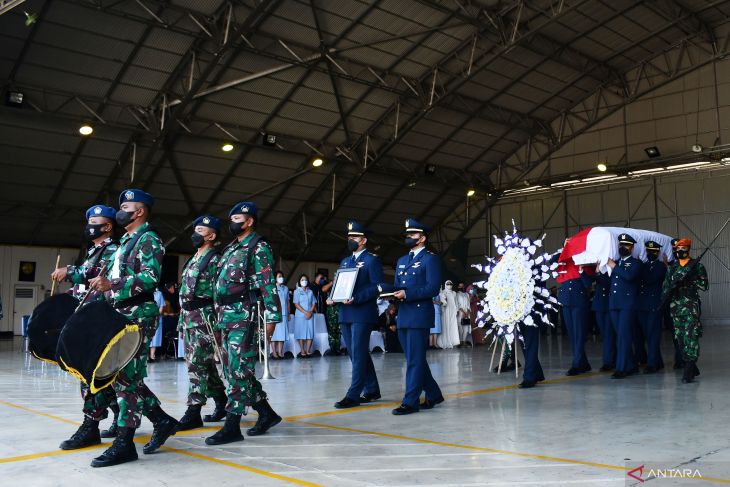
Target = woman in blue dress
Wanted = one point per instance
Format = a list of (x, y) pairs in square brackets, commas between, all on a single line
[(281, 332), (306, 304), (436, 330)]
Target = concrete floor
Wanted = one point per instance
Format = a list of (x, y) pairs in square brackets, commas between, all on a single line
[(587, 430)]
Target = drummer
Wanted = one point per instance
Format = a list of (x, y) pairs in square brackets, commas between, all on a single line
[(128, 285), (98, 232)]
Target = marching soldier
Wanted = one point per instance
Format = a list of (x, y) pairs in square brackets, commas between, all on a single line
[(197, 318), (129, 286), (417, 280), (649, 314), (622, 304), (599, 306), (245, 274), (681, 287), (358, 315), (667, 317), (98, 230)]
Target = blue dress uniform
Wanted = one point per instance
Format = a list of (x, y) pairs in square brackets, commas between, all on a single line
[(622, 305), (573, 297), (599, 306), (358, 318), (650, 297), (418, 273), (532, 373)]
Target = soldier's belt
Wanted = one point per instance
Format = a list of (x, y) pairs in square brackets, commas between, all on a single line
[(238, 298), (194, 304), (137, 300)]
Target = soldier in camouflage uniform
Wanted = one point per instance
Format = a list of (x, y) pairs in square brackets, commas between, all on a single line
[(681, 287), (98, 231), (196, 309), (128, 286), (245, 274)]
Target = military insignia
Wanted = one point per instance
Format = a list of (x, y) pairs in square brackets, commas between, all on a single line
[(206, 220), (417, 265), (401, 266), (97, 211), (244, 208), (129, 195), (349, 226), (359, 264), (408, 223)]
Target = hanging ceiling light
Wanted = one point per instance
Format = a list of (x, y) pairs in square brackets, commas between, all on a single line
[(317, 161), (86, 129), (471, 192), (602, 167), (227, 147)]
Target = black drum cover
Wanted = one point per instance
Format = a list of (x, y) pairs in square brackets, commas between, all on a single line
[(96, 343), (46, 323)]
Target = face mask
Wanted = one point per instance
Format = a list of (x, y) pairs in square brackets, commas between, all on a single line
[(92, 232), (652, 256), (624, 252), (411, 242), (352, 245), (682, 254), (236, 228), (197, 239), (280, 280), (303, 283), (124, 218)]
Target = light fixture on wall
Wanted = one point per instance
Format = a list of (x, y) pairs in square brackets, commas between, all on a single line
[(652, 151), (602, 167)]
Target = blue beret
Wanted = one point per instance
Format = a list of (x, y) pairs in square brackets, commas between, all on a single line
[(101, 210), (136, 196), (625, 238), (208, 221), (243, 208), (413, 225), (355, 229)]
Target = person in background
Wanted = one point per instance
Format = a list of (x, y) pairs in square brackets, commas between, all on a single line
[(281, 332), (170, 315), (389, 325), (449, 336), (157, 339), (436, 330), (306, 305), (463, 314)]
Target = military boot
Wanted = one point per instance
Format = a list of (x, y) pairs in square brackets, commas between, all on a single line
[(230, 432), (220, 409), (267, 418), (121, 451), (689, 372), (113, 429), (86, 435), (164, 426), (191, 419)]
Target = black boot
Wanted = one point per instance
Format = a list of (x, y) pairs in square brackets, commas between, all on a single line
[(689, 372), (113, 429), (267, 418), (121, 451), (164, 427), (220, 410), (191, 419), (230, 432), (86, 435)]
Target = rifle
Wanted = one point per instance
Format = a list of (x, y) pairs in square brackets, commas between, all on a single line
[(667, 298)]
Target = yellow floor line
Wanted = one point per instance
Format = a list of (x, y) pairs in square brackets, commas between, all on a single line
[(51, 416)]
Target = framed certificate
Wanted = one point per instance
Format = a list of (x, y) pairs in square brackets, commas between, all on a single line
[(344, 284)]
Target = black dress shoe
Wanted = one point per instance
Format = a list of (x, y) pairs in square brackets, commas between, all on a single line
[(526, 384), (619, 375), (633, 371), (369, 397), (650, 370), (573, 371), (431, 403), (347, 403), (402, 410), (606, 368)]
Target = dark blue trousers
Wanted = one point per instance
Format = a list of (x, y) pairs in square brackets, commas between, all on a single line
[(640, 342), (576, 323), (608, 336), (622, 321), (357, 341), (651, 324), (418, 374), (533, 370)]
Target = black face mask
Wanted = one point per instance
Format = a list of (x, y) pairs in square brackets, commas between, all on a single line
[(236, 228), (624, 251), (197, 239), (92, 232), (682, 254), (652, 256), (352, 245), (411, 242), (124, 218)]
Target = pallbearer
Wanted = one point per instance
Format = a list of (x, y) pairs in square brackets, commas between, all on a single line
[(649, 314)]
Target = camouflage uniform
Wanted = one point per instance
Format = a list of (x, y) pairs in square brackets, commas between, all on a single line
[(95, 405), (199, 352), (684, 307), (139, 274), (237, 320)]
